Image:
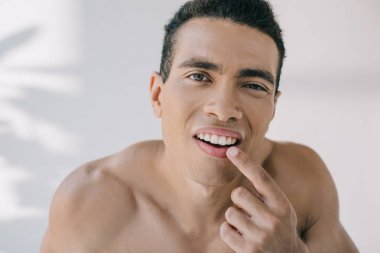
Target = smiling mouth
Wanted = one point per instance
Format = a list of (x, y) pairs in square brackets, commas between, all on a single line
[(218, 141)]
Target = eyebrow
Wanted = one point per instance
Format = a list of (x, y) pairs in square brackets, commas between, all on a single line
[(197, 62), (266, 75)]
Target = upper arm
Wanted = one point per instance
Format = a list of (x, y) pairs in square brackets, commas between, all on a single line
[(325, 232), (85, 213), (61, 234)]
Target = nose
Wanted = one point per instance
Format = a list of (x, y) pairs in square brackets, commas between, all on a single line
[(223, 105)]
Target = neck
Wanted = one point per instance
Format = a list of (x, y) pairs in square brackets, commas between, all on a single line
[(197, 206)]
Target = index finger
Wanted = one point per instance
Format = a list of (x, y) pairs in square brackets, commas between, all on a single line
[(259, 177)]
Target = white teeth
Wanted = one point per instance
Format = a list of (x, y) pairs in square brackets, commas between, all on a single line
[(222, 140), (216, 139)]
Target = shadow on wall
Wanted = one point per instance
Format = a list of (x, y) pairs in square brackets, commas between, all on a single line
[(40, 108), (26, 139), (16, 40)]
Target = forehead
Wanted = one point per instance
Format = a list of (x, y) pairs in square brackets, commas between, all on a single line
[(225, 42)]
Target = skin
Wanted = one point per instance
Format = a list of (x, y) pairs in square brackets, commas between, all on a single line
[(170, 196)]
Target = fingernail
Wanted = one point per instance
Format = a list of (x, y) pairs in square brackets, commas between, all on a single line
[(233, 151)]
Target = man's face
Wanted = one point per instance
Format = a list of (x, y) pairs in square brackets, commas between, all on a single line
[(221, 83)]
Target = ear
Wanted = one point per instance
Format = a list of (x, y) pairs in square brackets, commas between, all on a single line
[(156, 85), (276, 96)]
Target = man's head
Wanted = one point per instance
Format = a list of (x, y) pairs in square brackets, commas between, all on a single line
[(222, 82), (253, 13)]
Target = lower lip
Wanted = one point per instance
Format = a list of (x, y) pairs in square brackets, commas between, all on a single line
[(211, 150)]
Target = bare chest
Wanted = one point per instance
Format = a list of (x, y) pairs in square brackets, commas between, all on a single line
[(152, 231)]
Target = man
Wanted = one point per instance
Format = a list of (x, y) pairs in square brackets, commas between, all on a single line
[(215, 183)]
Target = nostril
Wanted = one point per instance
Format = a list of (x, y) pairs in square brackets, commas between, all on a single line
[(223, 113)]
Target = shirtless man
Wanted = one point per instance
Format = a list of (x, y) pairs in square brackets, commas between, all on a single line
[(218, 83)]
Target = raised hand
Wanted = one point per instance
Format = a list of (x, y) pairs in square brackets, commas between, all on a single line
[(265, 221)]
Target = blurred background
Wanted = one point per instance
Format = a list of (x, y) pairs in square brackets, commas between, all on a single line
[(74, 78)]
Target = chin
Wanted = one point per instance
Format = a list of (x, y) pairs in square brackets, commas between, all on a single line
[(212, 171)]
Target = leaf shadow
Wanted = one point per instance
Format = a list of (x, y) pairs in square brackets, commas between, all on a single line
[(17, 39)]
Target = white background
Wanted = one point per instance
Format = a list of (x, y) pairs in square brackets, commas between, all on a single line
[(74, 80)]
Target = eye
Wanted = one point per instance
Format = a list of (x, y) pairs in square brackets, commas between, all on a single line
[(199, 77), (254, 86)]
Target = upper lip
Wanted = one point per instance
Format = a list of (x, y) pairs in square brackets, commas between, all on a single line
[(218, 131)]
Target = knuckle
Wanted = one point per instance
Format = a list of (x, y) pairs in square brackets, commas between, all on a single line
[(285, 209), (230, 213), (239, 193), (262, 239), (223, 229), (226, 232), (274, 224), (250, 247), (263, 176)]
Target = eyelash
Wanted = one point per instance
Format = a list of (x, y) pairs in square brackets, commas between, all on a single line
[(256, 86), (199, 74), (249, 85)]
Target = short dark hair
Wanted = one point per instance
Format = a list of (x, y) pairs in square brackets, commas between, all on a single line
[(257, 14)]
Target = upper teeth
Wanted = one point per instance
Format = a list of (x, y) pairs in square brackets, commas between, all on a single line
[(217, 139)]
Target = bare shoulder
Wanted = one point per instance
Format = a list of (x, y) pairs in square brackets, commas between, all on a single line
[(303, 176), (306, 180), (89, 208), (98, 200), (296, 153), (301, 160)]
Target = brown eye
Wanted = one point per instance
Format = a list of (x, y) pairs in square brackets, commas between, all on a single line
[(198, 77), (254, 87)]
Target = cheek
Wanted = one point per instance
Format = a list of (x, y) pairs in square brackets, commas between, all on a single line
[(182, 99), (177, 107), (178, 102), (259, 115)]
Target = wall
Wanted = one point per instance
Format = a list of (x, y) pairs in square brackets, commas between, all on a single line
[(74, 86)]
